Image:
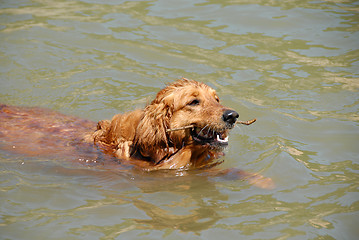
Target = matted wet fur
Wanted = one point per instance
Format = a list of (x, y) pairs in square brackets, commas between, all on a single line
[(142, 134), (139, 138)]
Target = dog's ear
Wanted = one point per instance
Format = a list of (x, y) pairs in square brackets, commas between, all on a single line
[(151, 138)]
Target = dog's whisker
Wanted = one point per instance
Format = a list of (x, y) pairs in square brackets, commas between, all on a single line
[(239, 127), (249, 122), (209, 129), (202, 129)]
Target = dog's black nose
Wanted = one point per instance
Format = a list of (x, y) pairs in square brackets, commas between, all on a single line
[(230, 116)]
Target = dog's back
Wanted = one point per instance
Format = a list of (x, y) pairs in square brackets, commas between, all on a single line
[(37, 131)]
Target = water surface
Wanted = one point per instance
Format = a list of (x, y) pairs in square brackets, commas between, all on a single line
[(293, 65)]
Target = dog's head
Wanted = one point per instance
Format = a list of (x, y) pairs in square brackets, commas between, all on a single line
[(182, 104)]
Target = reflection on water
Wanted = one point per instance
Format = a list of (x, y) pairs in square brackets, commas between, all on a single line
[(291, 65)]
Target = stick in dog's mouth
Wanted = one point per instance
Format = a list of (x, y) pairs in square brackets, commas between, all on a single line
[(247, 122), (192, 126)]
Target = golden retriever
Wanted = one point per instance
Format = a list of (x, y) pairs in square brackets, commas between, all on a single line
[(145, 135), (184, 127)]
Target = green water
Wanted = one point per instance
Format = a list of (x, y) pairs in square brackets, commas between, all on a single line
[(293, 65)]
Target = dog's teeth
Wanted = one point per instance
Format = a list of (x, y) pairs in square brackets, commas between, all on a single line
[(222, 140)]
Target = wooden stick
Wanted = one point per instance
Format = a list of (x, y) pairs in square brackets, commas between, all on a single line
[(192, 126), (247, 122), (180, 128)]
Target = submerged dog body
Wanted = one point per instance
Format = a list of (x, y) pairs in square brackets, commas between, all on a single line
[(143, 136), (184, 127)]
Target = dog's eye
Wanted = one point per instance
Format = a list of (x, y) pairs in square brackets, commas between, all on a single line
[(194, 102), (217, 99)]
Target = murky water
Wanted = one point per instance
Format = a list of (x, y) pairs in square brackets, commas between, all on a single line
[(293, 65)]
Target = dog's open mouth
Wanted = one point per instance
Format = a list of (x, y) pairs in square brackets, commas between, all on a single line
[(212, 137)]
